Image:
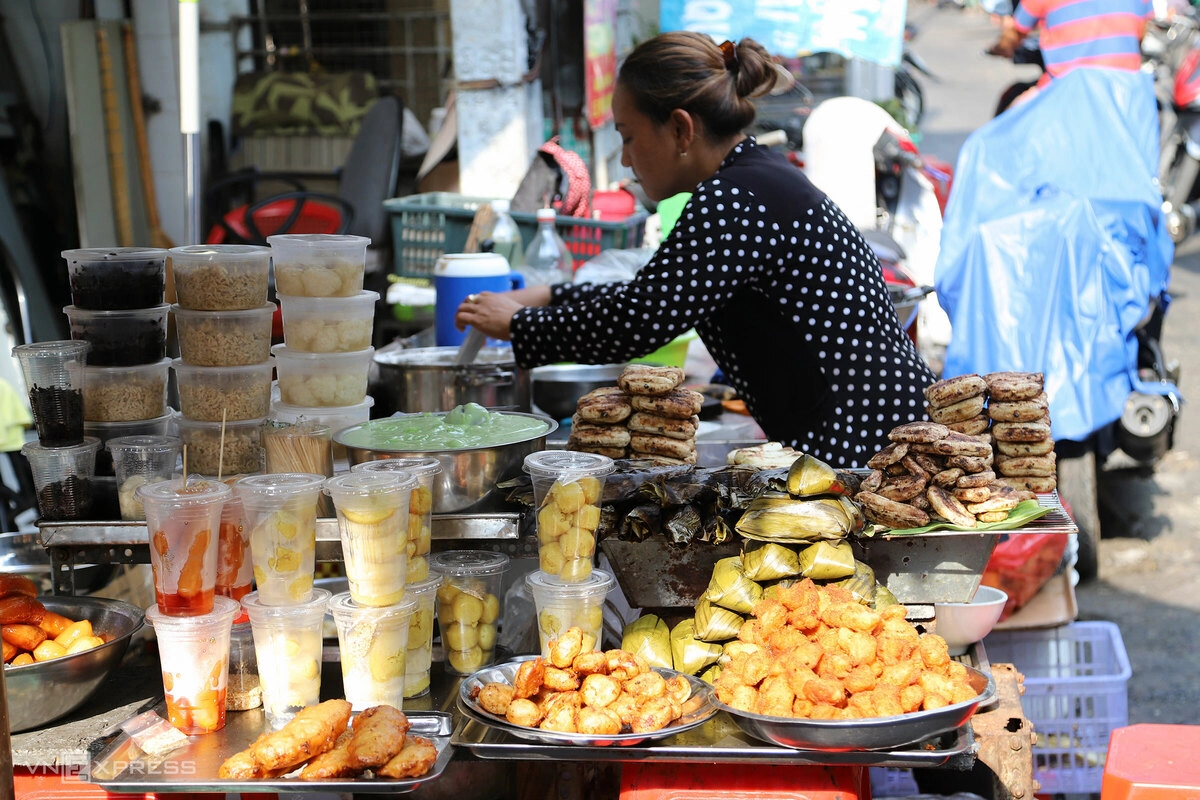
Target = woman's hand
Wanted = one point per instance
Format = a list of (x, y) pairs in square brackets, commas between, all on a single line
[(492, 313)]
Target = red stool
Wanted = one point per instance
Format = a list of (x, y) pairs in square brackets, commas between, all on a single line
[(1152, 762), (641, 781)]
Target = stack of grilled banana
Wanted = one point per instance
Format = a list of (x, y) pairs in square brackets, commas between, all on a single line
[(946, 469), (646, 415), (1020, 413)]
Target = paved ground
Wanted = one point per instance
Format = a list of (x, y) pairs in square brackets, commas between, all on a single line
[(1150, 557)]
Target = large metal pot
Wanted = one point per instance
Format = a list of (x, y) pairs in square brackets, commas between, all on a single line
[(427, 379), (558, 387), (469, 475)]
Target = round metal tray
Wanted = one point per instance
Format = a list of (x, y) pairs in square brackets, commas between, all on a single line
[(700, 708), (879, 733)]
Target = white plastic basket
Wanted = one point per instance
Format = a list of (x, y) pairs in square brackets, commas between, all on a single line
[(1076, 680)]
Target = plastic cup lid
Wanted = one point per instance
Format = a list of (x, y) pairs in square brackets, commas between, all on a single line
[(369, 484), (317, 600), (421, 466), (598, 583), (144, 444), (467, 563), (224, 611), (199, 491), (279, 483), (341, 605), (568, 463), (63, 348), (431, 584), (89, 443)]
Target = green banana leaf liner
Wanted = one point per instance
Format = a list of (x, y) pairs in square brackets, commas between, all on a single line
[(1025, 512)]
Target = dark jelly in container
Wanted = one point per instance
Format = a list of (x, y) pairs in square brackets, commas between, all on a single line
[(121, 338), (115, 278)]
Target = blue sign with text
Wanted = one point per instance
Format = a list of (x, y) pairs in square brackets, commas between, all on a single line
[(869, 29)]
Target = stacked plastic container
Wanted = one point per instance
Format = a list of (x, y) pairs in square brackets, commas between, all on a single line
[(224, 371), (117, 306), (567, 591), (328, 320)]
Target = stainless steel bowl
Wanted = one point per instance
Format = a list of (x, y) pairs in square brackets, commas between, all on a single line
[(469, 475), (42, 692), (558, 387), (878, 733)]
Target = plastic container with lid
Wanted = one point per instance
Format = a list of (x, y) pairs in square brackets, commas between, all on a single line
[(322, 379), (138, 460), (372, 515), (420, 506), (183, 518), (419, 658), (107, 431), (468, 606), (224, 338), (562, 605), (373, 642), (287, 644), (567, 487), (64, 478), (121, 338), (55, 374), (281, 510), (221, 277), (329, 324), (123, 394), (243, 691), (114, 278), (210, 394), (241, 452), (318, 264)]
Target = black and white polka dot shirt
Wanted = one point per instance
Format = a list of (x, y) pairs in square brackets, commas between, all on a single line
[(787, 296)]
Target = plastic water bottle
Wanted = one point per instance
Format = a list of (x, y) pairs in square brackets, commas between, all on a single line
[(506, 236), (547, 259)]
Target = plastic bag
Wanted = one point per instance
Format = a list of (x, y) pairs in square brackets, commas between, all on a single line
[(1021, 564), (1048, 262)]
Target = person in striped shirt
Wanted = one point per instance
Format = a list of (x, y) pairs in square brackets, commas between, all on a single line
[(1079, 33)]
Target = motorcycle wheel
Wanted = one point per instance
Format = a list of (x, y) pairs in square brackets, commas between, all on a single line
[(1077, 488)]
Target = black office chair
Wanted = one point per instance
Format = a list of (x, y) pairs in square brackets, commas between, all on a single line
[(367, 178)]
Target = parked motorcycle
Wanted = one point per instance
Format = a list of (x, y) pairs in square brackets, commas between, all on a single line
[(1050, 265)]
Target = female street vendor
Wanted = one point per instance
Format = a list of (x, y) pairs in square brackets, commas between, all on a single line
[(784, 291)]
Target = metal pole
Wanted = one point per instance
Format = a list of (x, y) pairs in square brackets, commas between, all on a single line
[(189, 111), (7, 791)]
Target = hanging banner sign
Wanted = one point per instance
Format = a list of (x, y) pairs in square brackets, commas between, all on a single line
[(599, 58), (868, 29)]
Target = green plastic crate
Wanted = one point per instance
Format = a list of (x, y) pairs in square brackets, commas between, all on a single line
[(424, 226)]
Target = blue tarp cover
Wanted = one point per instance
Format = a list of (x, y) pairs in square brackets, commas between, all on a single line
[(1054, 243)]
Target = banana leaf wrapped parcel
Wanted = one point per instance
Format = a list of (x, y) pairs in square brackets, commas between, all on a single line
[(825, 561), (809, 476), (714, 623), (730, 588), (649, 637), (689, 653), (783, 518), (766, 561)]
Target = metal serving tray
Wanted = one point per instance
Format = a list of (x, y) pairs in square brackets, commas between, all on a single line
[(719, 740), (120, 767)]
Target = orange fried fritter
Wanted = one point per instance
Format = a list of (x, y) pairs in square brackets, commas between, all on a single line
[(334, 763), (414, 759), (311, 732), (379, 734)]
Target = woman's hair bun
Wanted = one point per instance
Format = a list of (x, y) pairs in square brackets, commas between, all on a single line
[(756, 72)]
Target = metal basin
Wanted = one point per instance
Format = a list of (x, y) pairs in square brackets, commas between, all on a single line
[(558, 387), (429, 379), (469, 475), (42, 692)]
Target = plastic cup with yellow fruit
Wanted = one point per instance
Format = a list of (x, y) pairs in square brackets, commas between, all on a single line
[(567, 487), (193, 652), (287, 644), (373, 641), (562, 605), (468, 606), (420, 636), (281, 510), (420, 506), (372, 515)]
